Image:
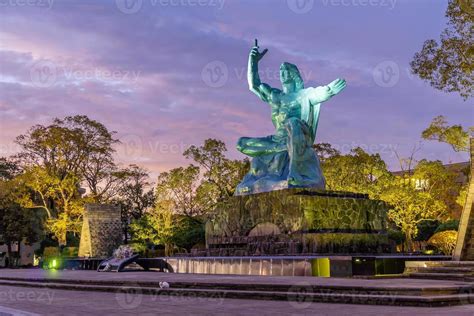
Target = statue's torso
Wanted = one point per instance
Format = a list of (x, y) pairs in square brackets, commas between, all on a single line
[(284, 107)]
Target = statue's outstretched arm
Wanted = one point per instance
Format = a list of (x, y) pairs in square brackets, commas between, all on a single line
[(263, 90), (324, 93)]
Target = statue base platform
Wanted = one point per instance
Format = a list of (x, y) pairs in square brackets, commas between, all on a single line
[(298, 221)]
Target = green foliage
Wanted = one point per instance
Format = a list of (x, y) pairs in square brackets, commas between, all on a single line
[(219, 172), (188, 233), (448, 65), (358, 172), (135, 196), (156, 227), (42, 188), (396, 236), (325, 151), (451, 224), (439, 182), (69, 146), (444, 241), (73, 151), (409, 207), (182, 187), (454, 135), (17, 224), (8, 169)]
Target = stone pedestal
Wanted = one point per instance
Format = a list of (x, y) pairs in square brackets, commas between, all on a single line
[(296, 221), (465, 242), (101, 231)]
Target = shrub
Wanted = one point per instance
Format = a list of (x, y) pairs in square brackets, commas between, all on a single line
[(444, 241), (188, 232)]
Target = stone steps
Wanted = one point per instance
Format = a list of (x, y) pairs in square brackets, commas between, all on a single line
[(439, 270), (409, 296), (455, 269), (439, 276)]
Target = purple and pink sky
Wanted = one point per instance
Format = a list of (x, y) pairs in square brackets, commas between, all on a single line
[(166, 74)]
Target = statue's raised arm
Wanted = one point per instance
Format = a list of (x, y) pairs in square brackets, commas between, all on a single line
[(263, 90), (324, 93)]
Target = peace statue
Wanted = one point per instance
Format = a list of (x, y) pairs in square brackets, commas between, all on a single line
[(285, 159)]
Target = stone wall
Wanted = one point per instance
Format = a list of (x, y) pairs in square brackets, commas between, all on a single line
[(297, 221), (296, 210), (101, 230), (465, 243)]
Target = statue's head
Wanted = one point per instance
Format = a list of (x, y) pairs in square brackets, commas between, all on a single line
[(290, 76)]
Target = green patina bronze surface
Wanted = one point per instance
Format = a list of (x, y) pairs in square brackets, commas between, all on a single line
[(299, 210), (285, 159)]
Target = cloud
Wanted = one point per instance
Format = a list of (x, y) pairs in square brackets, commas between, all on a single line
[(144, 75)]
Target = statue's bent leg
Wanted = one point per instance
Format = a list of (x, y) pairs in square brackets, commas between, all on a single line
[(257, 146), (304, 170)]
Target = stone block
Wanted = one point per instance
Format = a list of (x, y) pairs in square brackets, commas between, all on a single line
[(101, 230)]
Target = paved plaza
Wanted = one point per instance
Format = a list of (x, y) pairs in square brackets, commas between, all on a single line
[(33, 301), (142, 276), (15, 300)]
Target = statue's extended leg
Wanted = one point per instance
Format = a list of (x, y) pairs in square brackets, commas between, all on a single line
[(305, 170)]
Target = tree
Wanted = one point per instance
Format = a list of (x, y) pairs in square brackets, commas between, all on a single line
[(219, 171), (454, 135), (356, 172), (183, 188), (56, 159), (325, 151), (74, 145), (156, 227), (448, 65), (58, 197), (135, 195), (17, 224), (438, 181), (409, 207), (8, 169)]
